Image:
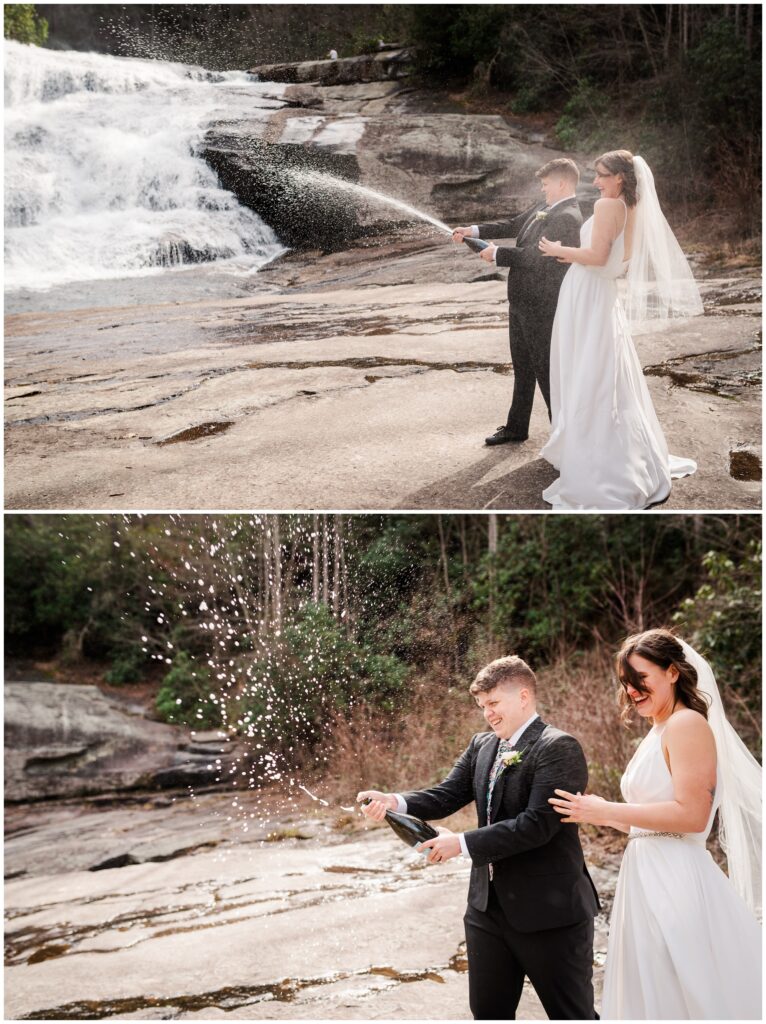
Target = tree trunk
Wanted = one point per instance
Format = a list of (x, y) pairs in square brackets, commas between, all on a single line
[(492, 549), (266, 555), (325, 561), (315, 563), (346, 602), (647, 43), (277, 550), (443, 559), (336, 542), (668, 33)]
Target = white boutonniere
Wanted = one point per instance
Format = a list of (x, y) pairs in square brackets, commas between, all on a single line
[(541, 215), (512, 758)]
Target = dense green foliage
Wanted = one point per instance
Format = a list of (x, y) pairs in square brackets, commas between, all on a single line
[(723, 618), (224, 36), (22, 23), (76, 586), (313, 670), (184, 696), (276, 625), (681, 84)]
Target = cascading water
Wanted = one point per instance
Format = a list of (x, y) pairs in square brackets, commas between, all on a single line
[(102, 179)]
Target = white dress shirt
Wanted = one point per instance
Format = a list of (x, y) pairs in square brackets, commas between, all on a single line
[(475, 227), (402, 803)]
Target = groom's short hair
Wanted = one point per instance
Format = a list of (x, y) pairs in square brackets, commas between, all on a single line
[(510, 669), (561, 165)]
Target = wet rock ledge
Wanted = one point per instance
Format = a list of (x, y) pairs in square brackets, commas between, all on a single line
[(378, 67), (65, 740), (362, 120)]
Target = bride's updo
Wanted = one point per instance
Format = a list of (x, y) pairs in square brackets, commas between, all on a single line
[(620, 161), (663, 648)]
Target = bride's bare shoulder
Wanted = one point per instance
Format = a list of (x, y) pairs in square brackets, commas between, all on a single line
[(686, 723), (606, 210)]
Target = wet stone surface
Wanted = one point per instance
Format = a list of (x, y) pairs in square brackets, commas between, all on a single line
[(727, 373), (745, 464), (195, 433), (366, 378), (345, 924)]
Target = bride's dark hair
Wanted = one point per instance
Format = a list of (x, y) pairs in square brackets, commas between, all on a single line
[(662, 647), (620, 161)]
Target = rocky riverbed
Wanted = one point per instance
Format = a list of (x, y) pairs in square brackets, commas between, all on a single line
[(225, 909), (366, 378)]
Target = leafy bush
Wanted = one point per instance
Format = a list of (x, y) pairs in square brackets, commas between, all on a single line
[(723, 619), (127, 668), (52, 571), (313, 672), (726, 78), (585, 115), (451, 40), (22, 23), (185, 695)]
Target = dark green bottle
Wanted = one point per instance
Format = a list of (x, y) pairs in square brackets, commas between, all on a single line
[(477, 244), (411, 830)]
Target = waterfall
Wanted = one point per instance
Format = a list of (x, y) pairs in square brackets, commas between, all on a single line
[(102, 176)]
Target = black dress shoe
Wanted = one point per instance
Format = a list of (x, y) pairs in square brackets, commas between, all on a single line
[(504, 436)]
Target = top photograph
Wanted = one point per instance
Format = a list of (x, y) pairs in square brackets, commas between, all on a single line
[(383, 257)]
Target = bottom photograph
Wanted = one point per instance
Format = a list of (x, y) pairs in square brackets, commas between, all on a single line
[(430, 767)]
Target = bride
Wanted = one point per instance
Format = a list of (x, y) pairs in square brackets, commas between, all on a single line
[(606, 440), (684, 941)]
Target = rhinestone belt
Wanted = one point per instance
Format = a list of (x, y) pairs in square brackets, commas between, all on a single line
[(664, 835)]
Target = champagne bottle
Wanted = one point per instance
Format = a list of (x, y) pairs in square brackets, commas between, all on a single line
[(411, 830), (476, 244)]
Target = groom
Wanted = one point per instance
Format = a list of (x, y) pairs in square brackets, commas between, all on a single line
[(531, 901), (533, 286)]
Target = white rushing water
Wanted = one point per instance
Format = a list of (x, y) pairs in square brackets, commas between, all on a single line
[(102, 176)]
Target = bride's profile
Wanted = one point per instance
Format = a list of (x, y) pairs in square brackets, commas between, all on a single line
[(606, 440), (684, 940)]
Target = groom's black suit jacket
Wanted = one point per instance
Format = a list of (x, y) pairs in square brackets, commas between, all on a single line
[(539, 871), (533, 279)]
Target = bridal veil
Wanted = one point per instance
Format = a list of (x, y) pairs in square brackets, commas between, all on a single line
[(659, 284), (740, 813)]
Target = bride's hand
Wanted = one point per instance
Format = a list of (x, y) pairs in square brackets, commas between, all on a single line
[(579, 808), (555, 249)]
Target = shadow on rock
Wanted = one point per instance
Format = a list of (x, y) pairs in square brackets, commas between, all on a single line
[(486, 484)]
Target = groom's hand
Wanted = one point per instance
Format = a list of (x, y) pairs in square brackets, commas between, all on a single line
[(444, 847), (378, 805), (459, 234), (488, 254)]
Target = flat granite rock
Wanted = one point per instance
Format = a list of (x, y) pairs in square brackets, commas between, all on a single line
[(336, 927), (362, 379), (64, 740)]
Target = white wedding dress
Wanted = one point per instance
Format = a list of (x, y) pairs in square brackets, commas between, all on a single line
[(682, 943), (606, 440)]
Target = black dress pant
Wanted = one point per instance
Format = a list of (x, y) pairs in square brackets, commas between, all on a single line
[(558, 962), (530, 337)]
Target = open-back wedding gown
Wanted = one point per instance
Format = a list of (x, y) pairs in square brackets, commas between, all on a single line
[(606, 440), (683, 944)]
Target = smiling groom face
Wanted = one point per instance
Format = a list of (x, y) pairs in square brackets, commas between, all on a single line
[(506, 707), (555, 187)]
